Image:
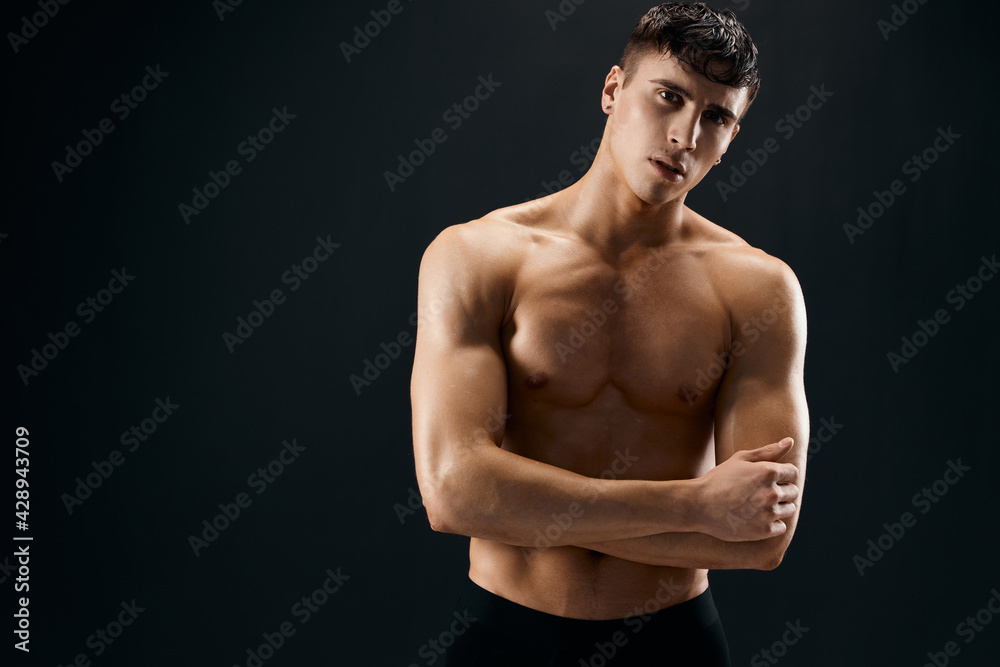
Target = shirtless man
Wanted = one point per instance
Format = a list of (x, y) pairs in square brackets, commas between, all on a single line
[(607, 390)]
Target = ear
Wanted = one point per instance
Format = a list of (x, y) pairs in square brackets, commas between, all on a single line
[(612, 84), (736, 130)]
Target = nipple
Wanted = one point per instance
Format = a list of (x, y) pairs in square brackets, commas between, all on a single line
[(536, 380)]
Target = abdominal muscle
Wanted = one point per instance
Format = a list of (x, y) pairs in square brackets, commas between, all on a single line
[(581, 583)]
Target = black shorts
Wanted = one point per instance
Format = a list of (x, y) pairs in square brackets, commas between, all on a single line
[(508, 634)]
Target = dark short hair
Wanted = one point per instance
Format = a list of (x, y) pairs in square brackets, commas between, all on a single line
[(713, 43)]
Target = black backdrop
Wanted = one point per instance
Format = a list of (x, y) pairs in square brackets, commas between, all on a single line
[(112, 516)]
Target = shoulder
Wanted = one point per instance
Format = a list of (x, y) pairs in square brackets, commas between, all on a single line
[(496, 242), (750, 280), (473, 266)]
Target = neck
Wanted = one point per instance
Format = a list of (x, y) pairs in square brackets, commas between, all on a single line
[(603, 210)]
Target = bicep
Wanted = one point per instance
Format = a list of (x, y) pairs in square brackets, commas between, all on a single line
[(762, 396), (458, 388)]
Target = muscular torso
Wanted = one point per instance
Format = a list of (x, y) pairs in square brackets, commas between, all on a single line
[(613, 363)]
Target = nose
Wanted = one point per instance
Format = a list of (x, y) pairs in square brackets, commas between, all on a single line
[(684, 131)]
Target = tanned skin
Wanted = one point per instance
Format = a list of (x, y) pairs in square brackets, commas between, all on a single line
[(592, 469)]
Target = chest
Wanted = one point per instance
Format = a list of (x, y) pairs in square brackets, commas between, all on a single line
[(656, 331)]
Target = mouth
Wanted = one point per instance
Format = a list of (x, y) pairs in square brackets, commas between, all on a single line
[(669, 169)]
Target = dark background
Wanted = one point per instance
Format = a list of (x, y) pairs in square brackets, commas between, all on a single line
[(339, 504)]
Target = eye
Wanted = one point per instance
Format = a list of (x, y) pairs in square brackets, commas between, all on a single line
[(716, 118), (670, 96)]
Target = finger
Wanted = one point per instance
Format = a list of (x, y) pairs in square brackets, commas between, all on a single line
[(771, 452), (785, 473), (784, 511), (778, 528), (787, 493)]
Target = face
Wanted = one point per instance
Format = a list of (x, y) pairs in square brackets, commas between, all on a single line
[(668, 126)]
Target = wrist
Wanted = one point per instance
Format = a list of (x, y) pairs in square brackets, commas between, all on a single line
[(684, 499)]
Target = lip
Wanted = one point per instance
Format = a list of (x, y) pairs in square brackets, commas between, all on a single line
[(664, 172)]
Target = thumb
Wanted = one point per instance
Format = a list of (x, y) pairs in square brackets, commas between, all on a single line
[(771, 452)]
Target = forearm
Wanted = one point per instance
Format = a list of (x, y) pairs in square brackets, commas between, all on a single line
[(698, 550), (694, 550), (498, 495)]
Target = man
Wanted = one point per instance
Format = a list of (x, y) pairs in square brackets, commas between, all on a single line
[(607, 390)]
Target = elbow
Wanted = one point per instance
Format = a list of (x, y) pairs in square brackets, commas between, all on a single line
[(450, 495), (444, 508), (441, 518), (770, 559)]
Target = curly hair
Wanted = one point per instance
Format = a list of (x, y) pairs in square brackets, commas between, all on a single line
[(711, 42)]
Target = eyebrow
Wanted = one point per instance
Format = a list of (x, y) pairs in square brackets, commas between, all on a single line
[(683, 92)]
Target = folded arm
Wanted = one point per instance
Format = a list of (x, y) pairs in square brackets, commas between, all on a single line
[(761, 400), (458, 388)]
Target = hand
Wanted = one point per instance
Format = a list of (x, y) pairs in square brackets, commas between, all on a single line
[(748, 496)]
